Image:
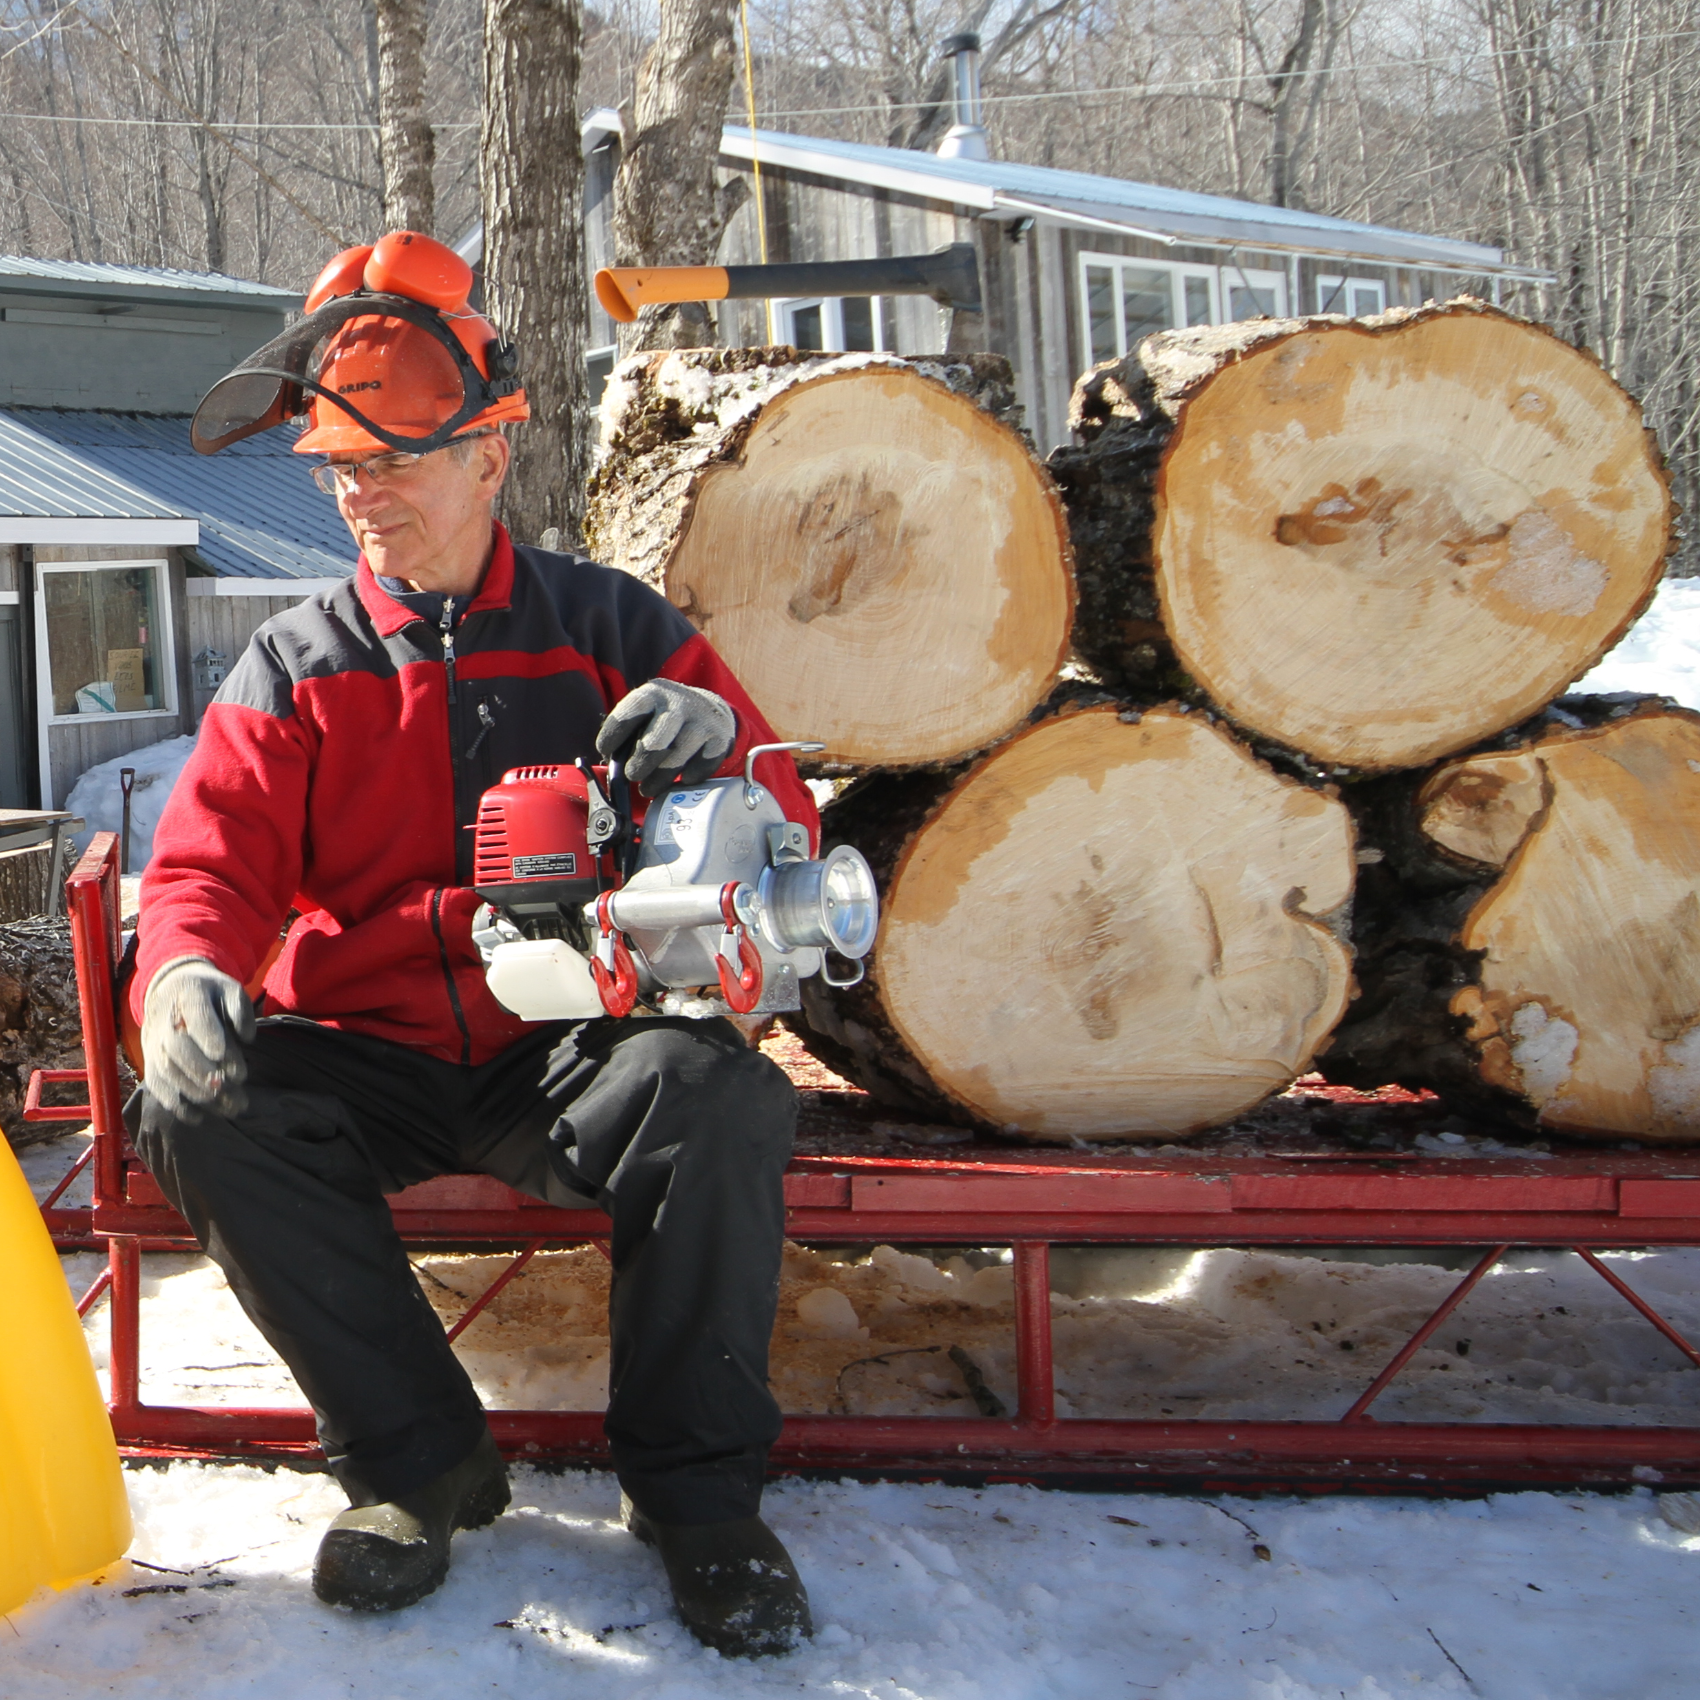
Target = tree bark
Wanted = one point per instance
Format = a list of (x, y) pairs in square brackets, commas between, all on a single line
[(1113, 925), (1529, 930), (1372, 542), (882, 562), (533, 173), (406, 142), (668, 208)]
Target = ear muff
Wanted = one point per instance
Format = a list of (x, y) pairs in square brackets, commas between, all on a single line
[(421, 268)]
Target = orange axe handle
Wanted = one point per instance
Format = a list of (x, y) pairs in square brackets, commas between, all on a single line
[(624, 289)]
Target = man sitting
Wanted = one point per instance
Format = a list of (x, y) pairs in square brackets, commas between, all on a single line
[(338, 774)]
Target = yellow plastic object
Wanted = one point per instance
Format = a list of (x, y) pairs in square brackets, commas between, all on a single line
[(63, 1510)]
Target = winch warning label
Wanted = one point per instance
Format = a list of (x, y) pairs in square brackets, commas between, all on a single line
[(543, 867)]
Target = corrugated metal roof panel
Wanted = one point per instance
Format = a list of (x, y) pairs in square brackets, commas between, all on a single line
[(40, 479), (260, 515), (138, 277)]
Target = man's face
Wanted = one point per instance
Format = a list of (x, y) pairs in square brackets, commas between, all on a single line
[(429, 522)]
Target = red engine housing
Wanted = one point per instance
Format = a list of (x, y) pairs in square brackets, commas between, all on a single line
[(530, 846)]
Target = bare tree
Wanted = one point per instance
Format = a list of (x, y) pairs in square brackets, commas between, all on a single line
[(406, 142), (668, 208), (533, 178)]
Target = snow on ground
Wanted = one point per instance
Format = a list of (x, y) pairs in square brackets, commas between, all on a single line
[(930, 1593), (98, 795), (920, 1593), (1661, 654)]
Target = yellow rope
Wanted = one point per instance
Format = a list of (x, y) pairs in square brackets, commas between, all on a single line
[(755, 160)]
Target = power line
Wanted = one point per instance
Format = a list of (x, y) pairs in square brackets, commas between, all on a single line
[(1185, 85)]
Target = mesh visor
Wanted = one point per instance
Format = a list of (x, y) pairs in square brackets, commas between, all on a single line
[(277, 383)]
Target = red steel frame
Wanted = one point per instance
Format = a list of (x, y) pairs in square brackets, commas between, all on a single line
[(1595, 1201)]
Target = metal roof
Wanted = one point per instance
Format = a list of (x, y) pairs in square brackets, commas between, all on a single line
[(40, 480), (260, 515), (1144, 209), (139, 277)]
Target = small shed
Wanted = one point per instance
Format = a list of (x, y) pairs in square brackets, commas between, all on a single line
[(132, 570)]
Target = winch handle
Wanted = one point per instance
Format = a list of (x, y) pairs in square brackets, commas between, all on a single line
[(751, 795)]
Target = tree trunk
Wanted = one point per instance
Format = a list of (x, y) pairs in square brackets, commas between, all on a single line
[(40, 1025), (880, 559), (1112, 925), (406, 143), (24, 881), (1529, 945), (1372, 542), (534, 283), (668, 209)]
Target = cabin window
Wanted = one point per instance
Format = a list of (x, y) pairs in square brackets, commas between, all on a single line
[(103, 630), (847, 324), (1128, 299), (1356, 296), (1253, 294)]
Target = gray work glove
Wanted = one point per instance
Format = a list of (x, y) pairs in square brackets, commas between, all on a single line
[(663, 731), (192, 1020)]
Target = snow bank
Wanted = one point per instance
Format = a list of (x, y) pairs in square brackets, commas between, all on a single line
[(1661, 653), (99, 798)]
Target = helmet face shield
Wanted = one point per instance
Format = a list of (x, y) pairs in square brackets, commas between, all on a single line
[(284, 378)]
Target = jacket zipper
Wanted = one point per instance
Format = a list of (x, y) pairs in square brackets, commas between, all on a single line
[(449, 978)]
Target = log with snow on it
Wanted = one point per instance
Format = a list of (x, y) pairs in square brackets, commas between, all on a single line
[(1112, 925), (1529, 938), (871, 547), (1373, 542)]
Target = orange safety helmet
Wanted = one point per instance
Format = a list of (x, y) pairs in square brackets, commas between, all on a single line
[(388, 356)]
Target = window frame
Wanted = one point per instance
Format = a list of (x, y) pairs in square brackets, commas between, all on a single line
[(1253, 277), (167, 653), (1179, 271), (1329, 285), (831, 322)]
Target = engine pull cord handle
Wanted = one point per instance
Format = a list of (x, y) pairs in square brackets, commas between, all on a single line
[(611, 965), (737, 961)]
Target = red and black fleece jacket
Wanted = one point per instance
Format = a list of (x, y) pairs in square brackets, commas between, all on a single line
[(339, 770)]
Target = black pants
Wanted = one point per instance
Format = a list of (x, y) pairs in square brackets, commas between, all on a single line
[(675, 1128)]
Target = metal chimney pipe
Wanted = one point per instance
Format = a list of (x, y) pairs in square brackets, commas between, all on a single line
[(966, 138)]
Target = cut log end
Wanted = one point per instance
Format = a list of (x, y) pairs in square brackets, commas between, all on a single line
[(1109, 930), (1375, 542), (1587, 1005), (880, 560)]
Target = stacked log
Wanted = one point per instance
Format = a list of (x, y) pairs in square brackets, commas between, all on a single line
[(40, 1023), (1312, 559), (879, 558), (1529, 936)]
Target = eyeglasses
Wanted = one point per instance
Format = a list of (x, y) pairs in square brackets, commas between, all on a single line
[(338, 478)]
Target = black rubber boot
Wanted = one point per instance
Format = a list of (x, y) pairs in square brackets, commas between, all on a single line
[(734, 1583), (383, 1557)]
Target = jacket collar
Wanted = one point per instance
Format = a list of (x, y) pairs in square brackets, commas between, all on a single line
[(389, 616)]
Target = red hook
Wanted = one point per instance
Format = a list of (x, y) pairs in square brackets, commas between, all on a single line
[(742, 992), (611, 965)]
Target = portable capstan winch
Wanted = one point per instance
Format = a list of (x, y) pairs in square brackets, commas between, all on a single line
[(712, 905)]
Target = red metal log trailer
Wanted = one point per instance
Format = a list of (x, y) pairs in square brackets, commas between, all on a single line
[(1029, 1201)]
